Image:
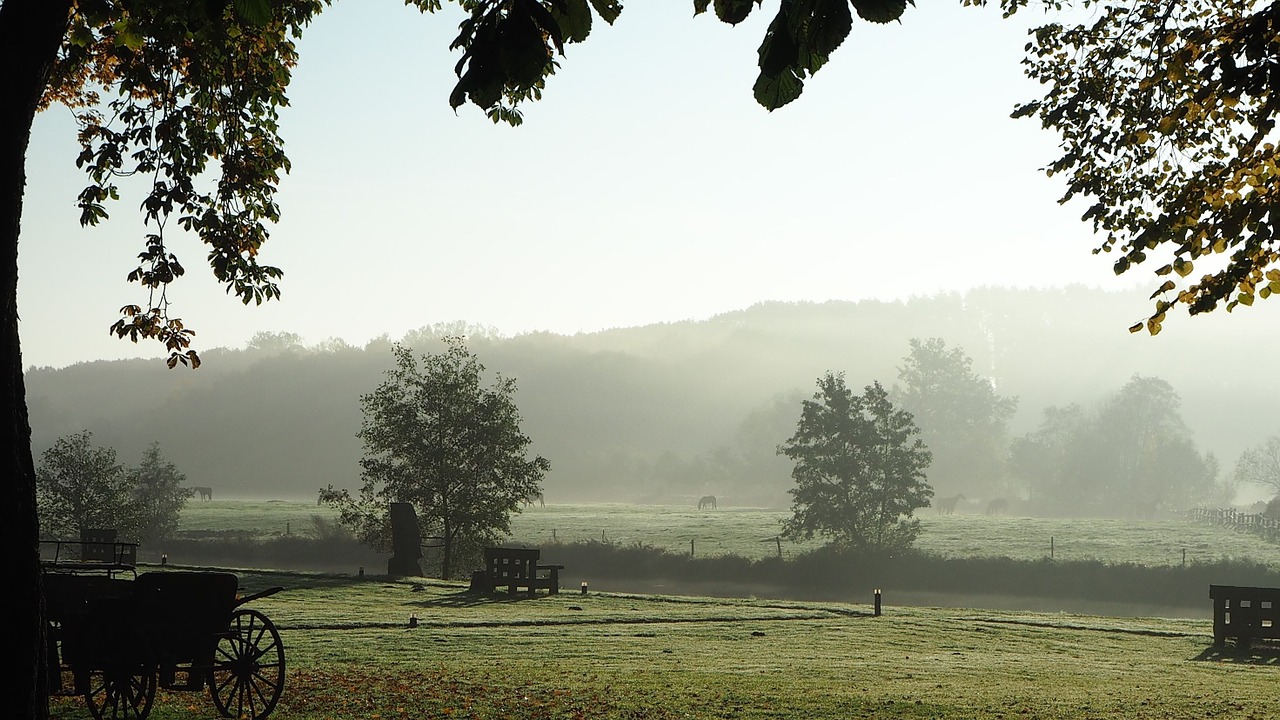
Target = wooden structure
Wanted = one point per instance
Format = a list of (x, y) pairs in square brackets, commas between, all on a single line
[(1244, 613), (114, 641), (516, 569), (96, 552)]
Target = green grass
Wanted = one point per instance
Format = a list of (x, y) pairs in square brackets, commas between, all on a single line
[(352, 654), (750, 532)]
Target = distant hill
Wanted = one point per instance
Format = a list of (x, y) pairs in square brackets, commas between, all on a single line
[(640, 413)]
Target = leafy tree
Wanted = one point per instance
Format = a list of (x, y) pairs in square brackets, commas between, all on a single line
[(158, 495), (1131, 455), (859, 470), (962, 420), (195, 91), (1166, 112), (436, 437), (80, 486), (1260, 465)]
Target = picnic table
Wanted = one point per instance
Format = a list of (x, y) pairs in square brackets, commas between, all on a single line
[(516, 569), (1244, 613)]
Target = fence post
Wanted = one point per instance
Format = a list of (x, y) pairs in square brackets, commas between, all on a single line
[(1050, 547), (1184, 557), (690, 547), (778, 540)]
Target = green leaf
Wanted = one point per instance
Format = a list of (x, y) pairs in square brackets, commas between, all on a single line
[(830, 25), (254, 12), (574, 19), (880, 11), (778, 52), (522, 53), (609, 10), (128, 35), (775, 92), (733, 11)]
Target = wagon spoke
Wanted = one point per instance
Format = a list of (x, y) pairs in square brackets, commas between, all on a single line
[(248, 673), (121, 695)]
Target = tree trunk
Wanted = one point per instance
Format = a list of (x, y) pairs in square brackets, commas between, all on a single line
[(30, 33)]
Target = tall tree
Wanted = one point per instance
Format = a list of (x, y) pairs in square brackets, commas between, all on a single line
[(158, 495), (437, 437), (1131, 455), (962, 419), (1166, 113), (859, 470), (81, 486), (196, 89)]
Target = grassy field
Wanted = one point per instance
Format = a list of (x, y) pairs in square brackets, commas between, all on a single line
[(352, 654), (751, 532)]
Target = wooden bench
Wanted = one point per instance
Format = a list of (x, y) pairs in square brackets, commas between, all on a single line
[(1244, 613), (97, 550), (516, 569)]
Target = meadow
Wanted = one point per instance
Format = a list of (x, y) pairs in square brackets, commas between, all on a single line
[(752, 532), (351, 654)]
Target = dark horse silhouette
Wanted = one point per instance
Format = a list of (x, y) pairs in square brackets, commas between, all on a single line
[(707, 502), (535, 497), (204, 492), (947, 505)]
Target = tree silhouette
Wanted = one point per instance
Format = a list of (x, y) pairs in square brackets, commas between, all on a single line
[(437, 437), (859, 470)]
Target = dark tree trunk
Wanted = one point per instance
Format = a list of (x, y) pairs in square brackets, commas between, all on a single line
[(30, 33)]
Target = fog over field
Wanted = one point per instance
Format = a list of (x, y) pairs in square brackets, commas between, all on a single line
[(666, 413)]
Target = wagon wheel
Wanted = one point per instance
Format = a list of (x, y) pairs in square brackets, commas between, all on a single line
[(248, 667), (119, 694)]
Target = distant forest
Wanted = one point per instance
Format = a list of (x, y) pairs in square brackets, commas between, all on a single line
[(669, 412)]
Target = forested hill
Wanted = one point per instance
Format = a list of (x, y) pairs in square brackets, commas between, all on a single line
[(665, 412)]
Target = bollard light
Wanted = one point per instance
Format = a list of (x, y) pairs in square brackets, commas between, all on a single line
[(584, 587), (413, 620), (361, 571), (164, 558), (877, 602)]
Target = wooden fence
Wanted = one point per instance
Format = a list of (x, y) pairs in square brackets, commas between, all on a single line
[(1266, 528)]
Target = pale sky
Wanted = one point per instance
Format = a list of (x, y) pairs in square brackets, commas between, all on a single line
[(647, 186)]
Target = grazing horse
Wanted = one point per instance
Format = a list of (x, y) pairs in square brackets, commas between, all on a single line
[(535, 497), (204, 492), (707, 501), (998, 506), (947, 505)]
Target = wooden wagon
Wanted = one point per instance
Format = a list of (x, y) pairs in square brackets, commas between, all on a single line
[(115, 636)]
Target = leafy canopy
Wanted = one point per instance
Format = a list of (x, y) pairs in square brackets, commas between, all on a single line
[(1166, 112), (184, 98), (437, 437), (961, 417), (859, 470)]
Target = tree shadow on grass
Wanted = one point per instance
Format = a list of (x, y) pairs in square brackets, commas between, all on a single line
[(1266, 654)]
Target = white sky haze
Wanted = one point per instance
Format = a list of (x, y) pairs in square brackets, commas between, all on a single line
[(647, 186)]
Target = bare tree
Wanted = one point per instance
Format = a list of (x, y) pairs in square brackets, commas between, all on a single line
[(1261, 465)]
